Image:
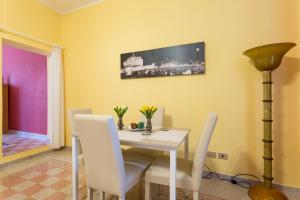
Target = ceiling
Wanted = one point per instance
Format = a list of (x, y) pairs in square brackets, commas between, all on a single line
[(65, 6)]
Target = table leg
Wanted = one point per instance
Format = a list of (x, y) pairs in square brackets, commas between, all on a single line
[(75, 169), (186, 156), (173, 155), (186, 148)]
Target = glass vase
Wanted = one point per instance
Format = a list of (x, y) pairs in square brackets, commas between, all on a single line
[(120, 123), (149, 126)]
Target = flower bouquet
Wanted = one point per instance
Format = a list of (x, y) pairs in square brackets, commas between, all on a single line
[(120, 111), (148, 112)]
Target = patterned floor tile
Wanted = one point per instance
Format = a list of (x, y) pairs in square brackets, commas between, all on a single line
[(33, 189), (17, 196), (44, 193), (55, 169), (16, 142), (51, 180), (23, 186), (44, 181)]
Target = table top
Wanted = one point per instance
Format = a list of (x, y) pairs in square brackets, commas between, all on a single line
[(158, 139)]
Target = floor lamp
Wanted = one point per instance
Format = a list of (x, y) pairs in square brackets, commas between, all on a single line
[(267, 58)]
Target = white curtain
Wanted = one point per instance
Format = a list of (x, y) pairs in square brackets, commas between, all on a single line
[(56, 127)]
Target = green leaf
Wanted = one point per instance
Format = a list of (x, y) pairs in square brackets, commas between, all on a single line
[(143, 113), (116, 110), (124, 111)]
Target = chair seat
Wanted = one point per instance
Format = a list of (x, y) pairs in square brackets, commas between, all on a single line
[(159, 172), (133, 174), (131, 158), (137, 159)]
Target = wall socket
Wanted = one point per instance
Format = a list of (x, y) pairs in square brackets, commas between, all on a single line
[(223, 156), (211, 154)]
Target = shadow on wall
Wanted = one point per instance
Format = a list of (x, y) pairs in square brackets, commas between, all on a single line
[(286, 118), (253, 114), (168, 121)]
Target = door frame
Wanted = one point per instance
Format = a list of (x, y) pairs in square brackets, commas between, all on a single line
[(34, 47)]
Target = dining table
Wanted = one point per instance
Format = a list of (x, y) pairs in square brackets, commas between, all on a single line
[(167, 140)]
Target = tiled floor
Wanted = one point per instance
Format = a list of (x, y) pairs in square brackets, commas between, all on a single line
[(48, 176), (16, 142)]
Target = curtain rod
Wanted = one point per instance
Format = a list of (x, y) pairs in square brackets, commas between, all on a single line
[(28, 37)]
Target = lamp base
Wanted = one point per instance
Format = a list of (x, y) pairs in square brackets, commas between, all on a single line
[(260, 192)]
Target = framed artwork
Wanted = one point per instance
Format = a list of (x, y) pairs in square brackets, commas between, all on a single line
[(188, 59)]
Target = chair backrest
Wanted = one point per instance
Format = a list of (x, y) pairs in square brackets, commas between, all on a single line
[(201, 150), (71, 115), (157, 118), (103, 159)]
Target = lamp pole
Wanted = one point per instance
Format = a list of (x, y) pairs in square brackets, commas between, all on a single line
[(267, 120)]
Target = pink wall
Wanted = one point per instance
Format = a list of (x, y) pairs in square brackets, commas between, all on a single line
[(26, 75)]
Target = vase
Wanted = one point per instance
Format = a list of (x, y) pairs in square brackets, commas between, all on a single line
[(120, 123), (149, 126)]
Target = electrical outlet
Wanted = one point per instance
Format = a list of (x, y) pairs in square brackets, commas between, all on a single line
[(223, 156), (211, 154)]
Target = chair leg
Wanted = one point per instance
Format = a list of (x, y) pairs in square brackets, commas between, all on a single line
[(140, 187), (102, 195), (154, 190), (196, 195), (147, 190), (186, 194), (90, 192)]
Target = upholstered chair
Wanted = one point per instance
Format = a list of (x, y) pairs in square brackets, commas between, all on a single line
[(137, 157), (104, 164), (189, 173), (71, 115)]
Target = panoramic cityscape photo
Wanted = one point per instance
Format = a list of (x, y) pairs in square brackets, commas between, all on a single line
[(170, 61)]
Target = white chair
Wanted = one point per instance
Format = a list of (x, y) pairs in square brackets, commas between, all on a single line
[(157, 123), (71, 115), (188, 174), (130, 157), (104, 165)]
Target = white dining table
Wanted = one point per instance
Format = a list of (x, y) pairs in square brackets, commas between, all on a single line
[(165, 140)]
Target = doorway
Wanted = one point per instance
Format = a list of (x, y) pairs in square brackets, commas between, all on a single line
[(24, 92)]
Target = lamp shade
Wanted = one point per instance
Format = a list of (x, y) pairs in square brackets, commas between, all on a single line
[(268, 57)]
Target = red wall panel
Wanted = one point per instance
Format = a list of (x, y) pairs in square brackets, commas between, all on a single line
[(26, 74)]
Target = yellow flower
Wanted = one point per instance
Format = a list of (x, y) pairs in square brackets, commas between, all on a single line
[(148, 111), (145, 108)]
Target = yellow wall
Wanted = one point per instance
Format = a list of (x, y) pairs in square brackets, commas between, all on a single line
[(33, 19), (95, 37)]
